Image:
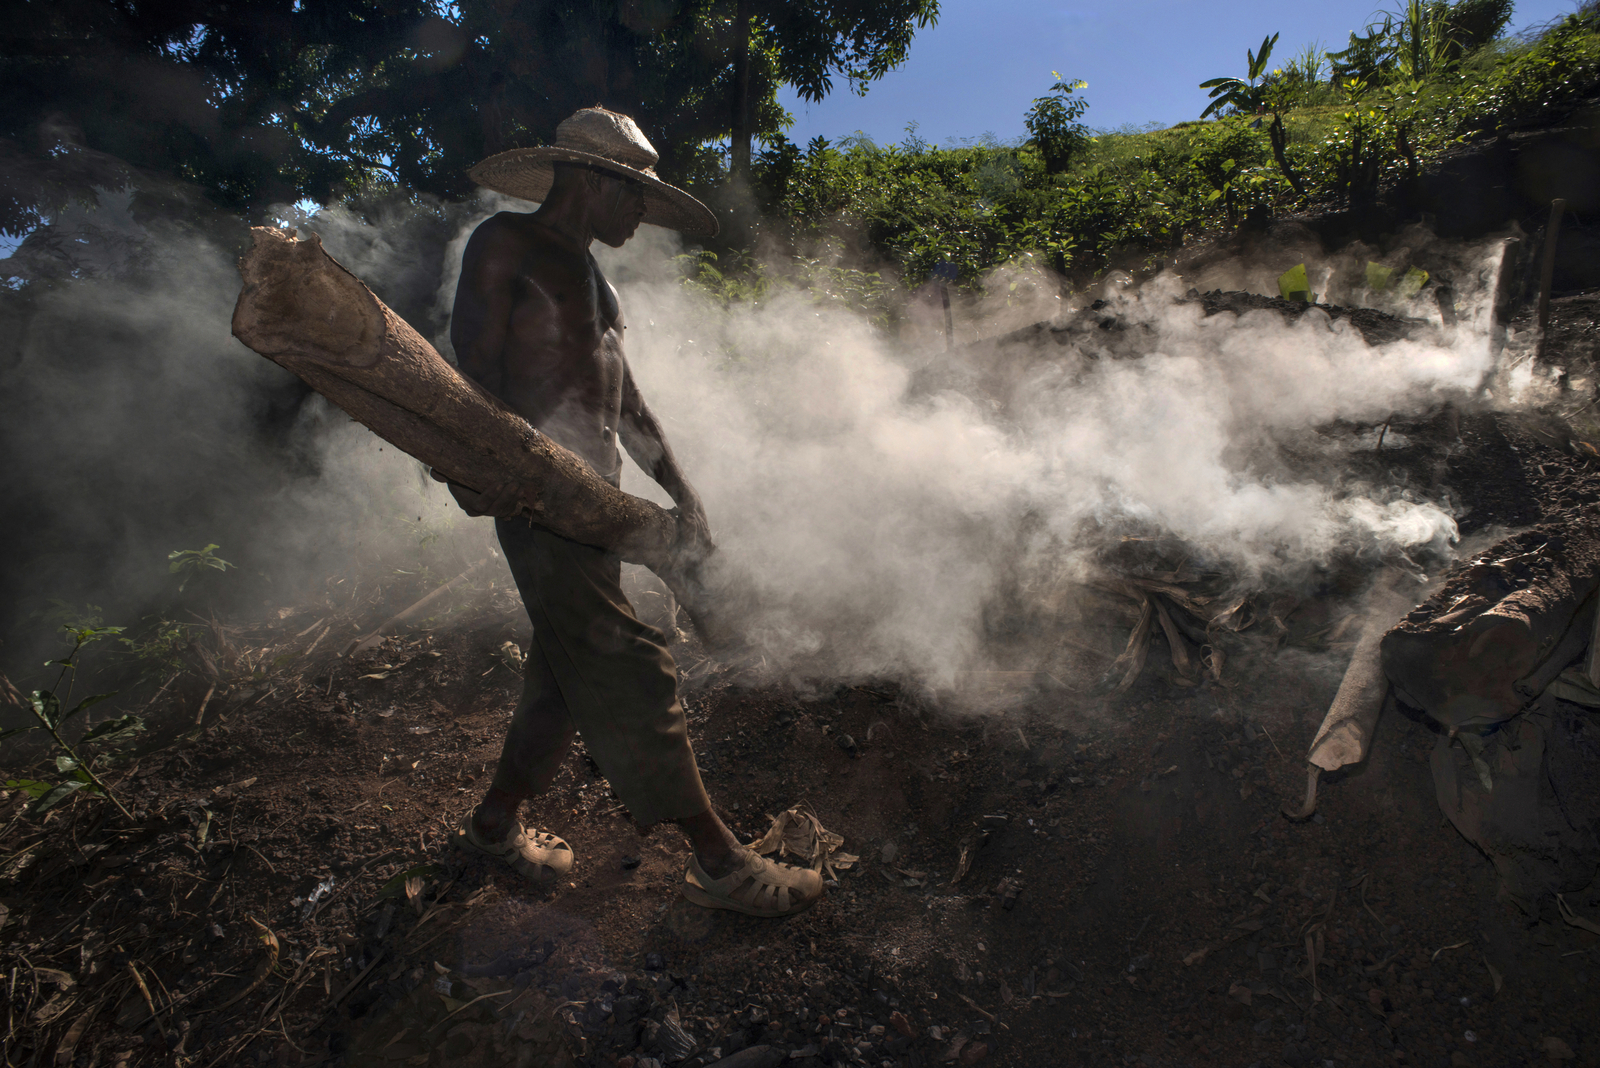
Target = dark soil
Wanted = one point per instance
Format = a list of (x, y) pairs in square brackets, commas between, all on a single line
[(1133, 896)]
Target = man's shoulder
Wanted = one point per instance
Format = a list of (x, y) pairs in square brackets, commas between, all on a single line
[(508, 228), (519, 241), (520, 228)]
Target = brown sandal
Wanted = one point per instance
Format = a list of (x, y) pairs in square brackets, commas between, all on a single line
[(540, 856), (759, 888)]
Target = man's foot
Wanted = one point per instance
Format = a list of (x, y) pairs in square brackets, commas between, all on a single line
[(756, 887), (722, 863), (540, 856)]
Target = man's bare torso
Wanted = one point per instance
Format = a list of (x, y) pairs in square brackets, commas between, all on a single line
[(537, 325), (540, 327)]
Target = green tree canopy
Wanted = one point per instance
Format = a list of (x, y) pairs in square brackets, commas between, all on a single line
[(266, 101), (205, 91), (805, 43)]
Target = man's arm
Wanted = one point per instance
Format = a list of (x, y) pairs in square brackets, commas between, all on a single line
[(479, 323), (485, 294), (641, 434)]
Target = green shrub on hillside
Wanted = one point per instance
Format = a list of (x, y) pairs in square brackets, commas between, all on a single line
[(1080, 202)]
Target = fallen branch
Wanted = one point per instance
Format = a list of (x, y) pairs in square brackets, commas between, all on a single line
[(367, 641), (1345, 736), (263, 969), (1131, 662)]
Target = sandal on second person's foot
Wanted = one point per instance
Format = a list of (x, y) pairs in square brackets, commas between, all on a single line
[(760, 887), (540, 856)]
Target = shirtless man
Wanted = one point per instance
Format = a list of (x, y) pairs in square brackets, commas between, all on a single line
[(537, 325)]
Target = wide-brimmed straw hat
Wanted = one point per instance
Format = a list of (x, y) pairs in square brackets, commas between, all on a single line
[(603, 139)]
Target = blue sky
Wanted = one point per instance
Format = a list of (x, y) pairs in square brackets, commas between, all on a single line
[(980, 68)]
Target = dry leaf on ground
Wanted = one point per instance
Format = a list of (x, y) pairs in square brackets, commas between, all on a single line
[(798, 833)]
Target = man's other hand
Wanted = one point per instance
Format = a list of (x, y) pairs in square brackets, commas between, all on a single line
[(694, 529), (503, 501)]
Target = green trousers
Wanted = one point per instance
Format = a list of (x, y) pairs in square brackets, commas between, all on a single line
[(593, 662)]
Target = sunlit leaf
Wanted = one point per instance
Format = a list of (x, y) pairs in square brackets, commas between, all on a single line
[(46, 705), (55, 796)]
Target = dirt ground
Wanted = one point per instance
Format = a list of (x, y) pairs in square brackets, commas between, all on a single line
[(1131, 893)]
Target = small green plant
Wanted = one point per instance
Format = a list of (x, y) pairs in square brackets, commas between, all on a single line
[(49, 707), (188, 563), (1243, 95), (160, 649), (1258, 92), (1053, 124)]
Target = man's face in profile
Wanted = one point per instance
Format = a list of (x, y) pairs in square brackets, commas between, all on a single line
[(621, 207)]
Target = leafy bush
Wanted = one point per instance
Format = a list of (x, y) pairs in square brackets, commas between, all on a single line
[(53, 710), (1330, 129), (1053, 123)]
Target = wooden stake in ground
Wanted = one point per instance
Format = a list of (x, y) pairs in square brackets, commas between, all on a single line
[(1547, 270), (303, 310)]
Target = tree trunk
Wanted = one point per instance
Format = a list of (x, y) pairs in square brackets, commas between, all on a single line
[(304, 311), (740, 140), (1280, 140)]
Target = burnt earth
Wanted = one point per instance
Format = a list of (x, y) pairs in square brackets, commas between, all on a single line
[(1133, 894)]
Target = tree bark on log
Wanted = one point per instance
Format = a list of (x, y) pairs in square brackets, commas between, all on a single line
[(1501, 628), (1345, 736), (304, 311)]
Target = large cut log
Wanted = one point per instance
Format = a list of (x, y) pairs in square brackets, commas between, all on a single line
[(1501, 628), (303, 310)]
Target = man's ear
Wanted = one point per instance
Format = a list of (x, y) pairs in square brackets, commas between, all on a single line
[(595, 180)]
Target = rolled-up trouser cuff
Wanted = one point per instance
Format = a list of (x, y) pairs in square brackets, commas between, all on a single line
[(614, 674)]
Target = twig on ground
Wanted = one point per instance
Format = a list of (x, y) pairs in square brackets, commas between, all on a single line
[(979, 1009), (367, 641), (468, 1005), (1383, 928), (360, 978), (150, 1002), (200, 713), (263, 969)]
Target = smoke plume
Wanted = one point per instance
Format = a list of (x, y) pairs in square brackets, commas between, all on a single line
[(880, 522)]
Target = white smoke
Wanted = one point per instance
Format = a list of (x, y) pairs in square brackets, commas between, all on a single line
[(879, 526)]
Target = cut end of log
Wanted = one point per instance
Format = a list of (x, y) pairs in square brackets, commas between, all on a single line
[(299, 302)]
